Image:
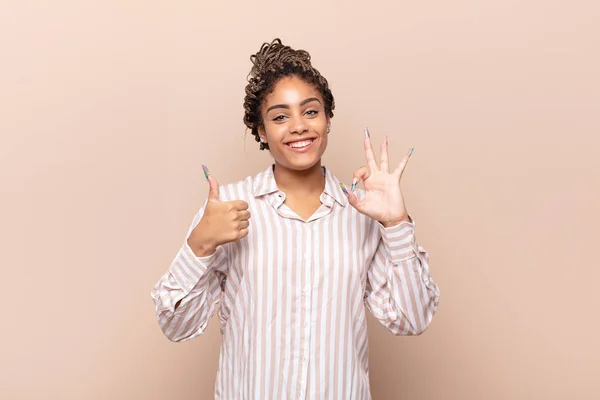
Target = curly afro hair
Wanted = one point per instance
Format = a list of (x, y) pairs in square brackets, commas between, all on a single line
[(273, 62)]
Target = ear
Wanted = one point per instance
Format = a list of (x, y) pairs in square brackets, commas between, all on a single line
[(261, 133)]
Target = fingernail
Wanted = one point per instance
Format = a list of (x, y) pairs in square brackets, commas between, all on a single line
[(410, 151), (343, 188), (354, 182), (367, 134), (206, 173)]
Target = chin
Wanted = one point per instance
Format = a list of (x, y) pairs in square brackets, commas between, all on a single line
[(300, 163), (305, 166)]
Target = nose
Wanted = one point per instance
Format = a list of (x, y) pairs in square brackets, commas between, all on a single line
[(298, 125)]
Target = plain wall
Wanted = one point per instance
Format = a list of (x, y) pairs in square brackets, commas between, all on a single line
[(108, 110)]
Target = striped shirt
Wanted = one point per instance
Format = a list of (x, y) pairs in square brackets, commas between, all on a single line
[(291, 295)]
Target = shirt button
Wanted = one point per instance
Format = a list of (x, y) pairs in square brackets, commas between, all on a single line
[(305, 323), (304, 359)]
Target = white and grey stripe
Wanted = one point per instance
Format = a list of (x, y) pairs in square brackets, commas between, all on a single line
[(292, 307)]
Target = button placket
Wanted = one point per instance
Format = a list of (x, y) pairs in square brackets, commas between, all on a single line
[(307, 310)]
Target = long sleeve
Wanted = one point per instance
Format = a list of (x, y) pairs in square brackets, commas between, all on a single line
[(400, 292), (187, 295)]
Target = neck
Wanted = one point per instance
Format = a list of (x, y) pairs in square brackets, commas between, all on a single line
[(305, 183)]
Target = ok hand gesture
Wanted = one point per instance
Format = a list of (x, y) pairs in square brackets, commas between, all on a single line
[(383, 199)]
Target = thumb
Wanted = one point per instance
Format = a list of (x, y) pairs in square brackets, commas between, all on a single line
[(213, 190), (355, 201)]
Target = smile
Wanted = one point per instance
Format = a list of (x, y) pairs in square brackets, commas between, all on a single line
[(301, 145), (304, 143)]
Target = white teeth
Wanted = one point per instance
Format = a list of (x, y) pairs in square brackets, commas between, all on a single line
[(300, 144)]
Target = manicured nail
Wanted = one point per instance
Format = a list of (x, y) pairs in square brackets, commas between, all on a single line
[(206, 173), (343, 188), (354, 182), (411, 151), (367, 134)]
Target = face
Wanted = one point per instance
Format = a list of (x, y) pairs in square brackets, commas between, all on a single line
[(295, 124)]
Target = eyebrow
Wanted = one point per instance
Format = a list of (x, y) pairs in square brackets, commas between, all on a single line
[(303, 102)]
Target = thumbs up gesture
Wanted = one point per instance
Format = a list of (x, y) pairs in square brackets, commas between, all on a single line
[(222, 222)]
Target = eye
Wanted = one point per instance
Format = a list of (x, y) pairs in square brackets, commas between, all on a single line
[(279, 118), (312, 112)]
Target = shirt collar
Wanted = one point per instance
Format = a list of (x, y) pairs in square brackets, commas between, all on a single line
[(264, 183), (333, 189)]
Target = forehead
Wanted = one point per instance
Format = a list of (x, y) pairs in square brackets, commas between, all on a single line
[(291, 90)]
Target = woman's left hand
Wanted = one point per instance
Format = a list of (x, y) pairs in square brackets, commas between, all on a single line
[(383, 199)]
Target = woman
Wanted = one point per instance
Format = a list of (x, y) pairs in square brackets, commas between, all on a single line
[(293, 281)]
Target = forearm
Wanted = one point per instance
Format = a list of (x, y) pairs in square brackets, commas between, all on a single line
[(402, 293), (186, 296)]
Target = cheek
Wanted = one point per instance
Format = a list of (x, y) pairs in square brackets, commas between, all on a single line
[(324, 141), (319, 125), (274, 132)]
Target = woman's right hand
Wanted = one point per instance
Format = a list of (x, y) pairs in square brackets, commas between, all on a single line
[(221, 223)]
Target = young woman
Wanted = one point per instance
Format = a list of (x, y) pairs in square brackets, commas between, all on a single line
[(292, 283)]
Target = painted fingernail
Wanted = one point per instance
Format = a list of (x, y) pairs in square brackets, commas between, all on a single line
[(367, 134), (411, 151), (354, 182), (343, 188), (206, 173)]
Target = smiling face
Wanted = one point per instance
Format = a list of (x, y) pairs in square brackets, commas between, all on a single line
[(294, 124)]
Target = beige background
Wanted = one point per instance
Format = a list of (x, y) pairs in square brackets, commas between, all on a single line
[(108, 109)]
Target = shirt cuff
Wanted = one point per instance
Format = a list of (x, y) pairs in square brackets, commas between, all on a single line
[(399, 240), (187, 268)]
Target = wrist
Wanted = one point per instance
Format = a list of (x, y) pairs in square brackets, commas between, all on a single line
[(388, 224), (203, 249)]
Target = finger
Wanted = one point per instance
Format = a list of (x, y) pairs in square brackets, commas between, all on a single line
[(244, 215), (369, 152), (361, 173), (384, 165), (243, 233), (244, 224), (400, 169), (239, 205), (213, 190)]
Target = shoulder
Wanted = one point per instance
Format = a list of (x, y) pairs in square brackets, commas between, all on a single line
[(241, 190)]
